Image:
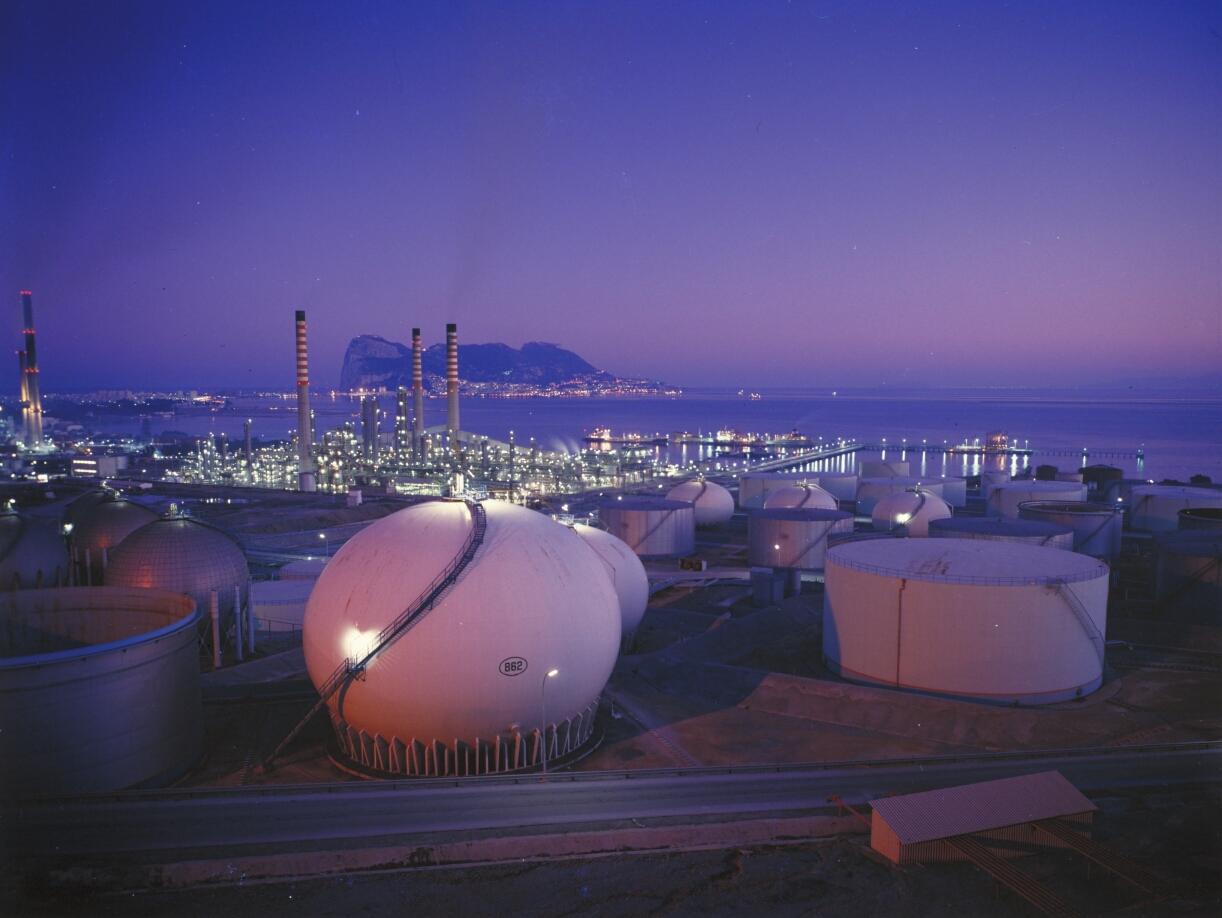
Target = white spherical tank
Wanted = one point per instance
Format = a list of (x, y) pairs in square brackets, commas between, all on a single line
[(989, 621), (466, 690), (626, 571), (1097, 528), (880, 468), (793, 539), (754, 487), (871, 490), (996, 529), (713, 504), (1004, 498), (653, 527), (1156, 508), (99, 529), (1188, 584), (913, 510), (100, 689), (801, 496)]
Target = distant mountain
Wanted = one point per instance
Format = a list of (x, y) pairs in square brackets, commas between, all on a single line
[(372, 362)]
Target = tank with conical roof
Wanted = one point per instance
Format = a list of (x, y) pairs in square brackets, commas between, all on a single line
[(913, 510), (626, 571), (186, 556), (801, 496), (713, 505), (99, 529), (32, 553)]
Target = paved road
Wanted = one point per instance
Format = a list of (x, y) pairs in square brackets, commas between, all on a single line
[(287, 817)]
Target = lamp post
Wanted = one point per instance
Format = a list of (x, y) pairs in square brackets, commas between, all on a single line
[(326, 544), (543, 705)]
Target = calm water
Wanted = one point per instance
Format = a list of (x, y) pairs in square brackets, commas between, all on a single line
[(1181, 437)]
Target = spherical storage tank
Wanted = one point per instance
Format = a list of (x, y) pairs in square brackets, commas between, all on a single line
[(1004, 499), (1188, 584), (626, 572), (801, 496), (187, 556), (996, 529), (101, 528), (913, 510), (871, 490), (990, 621), (714, 505), (32, 554), (793, 539), (653, 527), (1097, 528), (78, 507), (463, 692), (1155, 508), (1208, 518), (884, 469), (100, 690)]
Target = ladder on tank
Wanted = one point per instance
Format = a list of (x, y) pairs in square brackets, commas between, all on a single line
[(423, 604)]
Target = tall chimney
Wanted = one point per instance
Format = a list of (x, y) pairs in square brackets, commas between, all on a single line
[(401, 414), (249, 452), (452, 384), (25, 394), (33, 430), (305, 462), (417, 398)]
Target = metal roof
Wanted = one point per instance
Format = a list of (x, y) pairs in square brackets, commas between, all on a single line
[(979, 807), (975, 562)]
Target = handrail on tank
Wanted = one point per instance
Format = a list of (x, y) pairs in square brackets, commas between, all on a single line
[(407, 619)]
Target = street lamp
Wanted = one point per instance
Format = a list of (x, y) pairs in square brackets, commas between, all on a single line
[(326, 544), (543, 705)]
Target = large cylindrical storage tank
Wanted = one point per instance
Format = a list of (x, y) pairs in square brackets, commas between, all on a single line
[(881, 468), (1156, 508), (981, 620), (871, 490), (187, 556), (1207, 518), (99, 529), (626, 572), (990, 480), (99, 690), (1100, 475), (303, 570), (996, 529), (1097, 528), (714, 505), (1004, 498), (754, 487), (793, 539), (803, 496), (1070, 476), (32, 553), (954, 490), (467, 689), (841, 485), (653, 527), (911, 510), (1188, 584), (1120, 491)]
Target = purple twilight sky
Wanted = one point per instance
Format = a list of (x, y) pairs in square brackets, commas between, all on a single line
[(725, 194)]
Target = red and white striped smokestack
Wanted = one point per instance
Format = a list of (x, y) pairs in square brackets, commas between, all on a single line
[(452, 380), (305, 446)]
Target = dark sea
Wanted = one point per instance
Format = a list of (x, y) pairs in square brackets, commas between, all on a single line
[(1180, 435)]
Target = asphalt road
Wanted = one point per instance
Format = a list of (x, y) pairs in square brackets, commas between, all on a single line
[(286, 817)]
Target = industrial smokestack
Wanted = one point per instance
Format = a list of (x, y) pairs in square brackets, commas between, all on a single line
[(33, 430), (25, 394), (417, 398), (401, 435), (249, 452), (452, 384), (305, 462)]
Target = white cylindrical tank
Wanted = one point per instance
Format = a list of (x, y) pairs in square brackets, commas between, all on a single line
[(1005, 498), (801, 496), (794, 539), (1069, 476), (653, 527), (1207, 518), (1097, 528), (841, 485), (996, 529), (99, 689), (32, 553), (954, 490), (991, 479), (279, 605), (871, 490), (754, 487), (467, 689), (1188, 585), (714, 505), (988, 621), (1120, 490), (912, 510), (626, 571), (1156, 508), (880, 468), (303, 570)]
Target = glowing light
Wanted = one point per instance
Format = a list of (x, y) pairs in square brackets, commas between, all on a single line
[(554, 672)]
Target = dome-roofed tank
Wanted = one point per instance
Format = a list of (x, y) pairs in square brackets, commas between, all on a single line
[(754, 487), (912, 509), (626, 571), (102, 527), (81, 505), (32, 553), (463, 691), (714, 505), (996, 529), (186, 556), (802, 496)]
